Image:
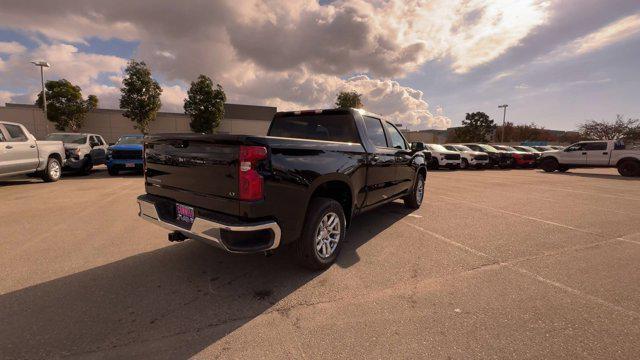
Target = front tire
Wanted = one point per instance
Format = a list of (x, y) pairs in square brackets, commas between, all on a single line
[(414, 199), (629, 168), (549, 165), (323, 234), (53, 171), (464, 164)]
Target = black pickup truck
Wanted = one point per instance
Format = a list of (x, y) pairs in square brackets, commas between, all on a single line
[(301, 184)]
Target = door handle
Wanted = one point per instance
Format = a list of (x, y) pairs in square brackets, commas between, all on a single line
[(605, 153), (8, 147), (32, 146), (584, 153)]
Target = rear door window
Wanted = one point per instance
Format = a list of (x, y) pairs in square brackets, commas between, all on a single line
[(100, 141), (375, 132), (327, 127), (595, 146), (15, 133)]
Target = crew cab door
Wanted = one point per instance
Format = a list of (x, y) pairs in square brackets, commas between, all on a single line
[(20, 153), (404, 171), (573, 155), (597, 153), (381, 169), (98, 149)]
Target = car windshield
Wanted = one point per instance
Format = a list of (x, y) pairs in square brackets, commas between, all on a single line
[(130, 140), (437, 147), (521, 148), (462, 148), (68, 138), (488, 147), (451, 148), (508, 148)]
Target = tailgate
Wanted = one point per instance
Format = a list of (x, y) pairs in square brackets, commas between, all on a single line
[(199, 170)]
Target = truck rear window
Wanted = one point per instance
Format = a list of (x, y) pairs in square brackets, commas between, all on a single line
[(328, 127)]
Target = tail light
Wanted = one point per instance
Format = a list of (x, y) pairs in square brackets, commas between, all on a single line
[(250, 182)]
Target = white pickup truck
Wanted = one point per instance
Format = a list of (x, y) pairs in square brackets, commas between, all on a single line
[(600, 153), (22, 154)]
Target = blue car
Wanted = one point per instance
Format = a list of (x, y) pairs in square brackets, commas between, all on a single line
[(126, 154)]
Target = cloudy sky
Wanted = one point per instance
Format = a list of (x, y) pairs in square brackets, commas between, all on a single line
[(422, 63)]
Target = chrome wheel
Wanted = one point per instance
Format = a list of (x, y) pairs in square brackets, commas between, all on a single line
[(327, 235), (54, 170), (420, 190)]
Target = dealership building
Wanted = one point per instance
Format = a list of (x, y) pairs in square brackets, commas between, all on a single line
[(111, 124)]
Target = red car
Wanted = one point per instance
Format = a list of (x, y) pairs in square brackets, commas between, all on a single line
[(520, 158)]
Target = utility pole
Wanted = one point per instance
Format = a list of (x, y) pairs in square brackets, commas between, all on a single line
[(504, 117), (42, 65)]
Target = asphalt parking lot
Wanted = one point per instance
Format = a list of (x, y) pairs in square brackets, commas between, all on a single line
[(496, 264)]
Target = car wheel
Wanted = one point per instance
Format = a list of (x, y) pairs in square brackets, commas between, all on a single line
[(323, 234), (113, 171), (549, 165), (629, 168), (414, 199), (87, 165), (563, 168), (464, 164), (53, 171)]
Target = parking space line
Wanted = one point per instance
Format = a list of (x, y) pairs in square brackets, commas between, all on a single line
[(532, 275)]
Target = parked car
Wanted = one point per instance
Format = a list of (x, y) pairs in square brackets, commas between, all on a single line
[(126, 154), (21, 153), (441, 157), (528, 149), (600, 153), (558, 147), (300, 185), (83, 151), (497, 157), (476, 159), (520, 158)]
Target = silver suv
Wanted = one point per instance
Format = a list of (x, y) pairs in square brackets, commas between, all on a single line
[(83, 151)]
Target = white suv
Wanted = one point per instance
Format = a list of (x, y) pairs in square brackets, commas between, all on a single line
[(440, 156), (469, 157)]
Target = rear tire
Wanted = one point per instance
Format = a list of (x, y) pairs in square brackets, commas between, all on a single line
[(549, 165), (53, 171), (414, 199), (315, 249), (629, 168)]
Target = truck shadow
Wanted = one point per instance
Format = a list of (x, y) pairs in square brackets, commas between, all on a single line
[(599, 176), (172, 302)]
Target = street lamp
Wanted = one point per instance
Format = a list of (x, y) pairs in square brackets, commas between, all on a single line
[(42, 65), (504, 116)]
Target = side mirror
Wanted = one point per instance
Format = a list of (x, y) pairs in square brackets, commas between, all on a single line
[(417, 146)]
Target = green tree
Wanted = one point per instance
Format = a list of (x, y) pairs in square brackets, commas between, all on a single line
[(618, 129), (349, 99), (205, 105), (140, 98), (476, 127), (65, 105)]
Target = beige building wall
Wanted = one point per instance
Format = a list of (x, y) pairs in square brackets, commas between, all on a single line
[(239, 119)]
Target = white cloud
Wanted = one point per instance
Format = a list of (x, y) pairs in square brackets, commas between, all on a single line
[(173, 98), (5, 97), (11, 47), (615, 32)]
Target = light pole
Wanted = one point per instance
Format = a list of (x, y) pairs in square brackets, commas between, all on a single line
[(504, 117), (42, 65)]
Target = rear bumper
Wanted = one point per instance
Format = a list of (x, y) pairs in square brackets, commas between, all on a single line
[(236, 237)]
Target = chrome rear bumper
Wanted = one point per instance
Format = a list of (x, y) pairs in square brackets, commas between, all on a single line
[(209, 231)]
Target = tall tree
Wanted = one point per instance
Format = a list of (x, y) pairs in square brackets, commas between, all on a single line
[(65, 105), (140, 98), (349, 99), (618, 129), (476, 126), (205, 105)]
